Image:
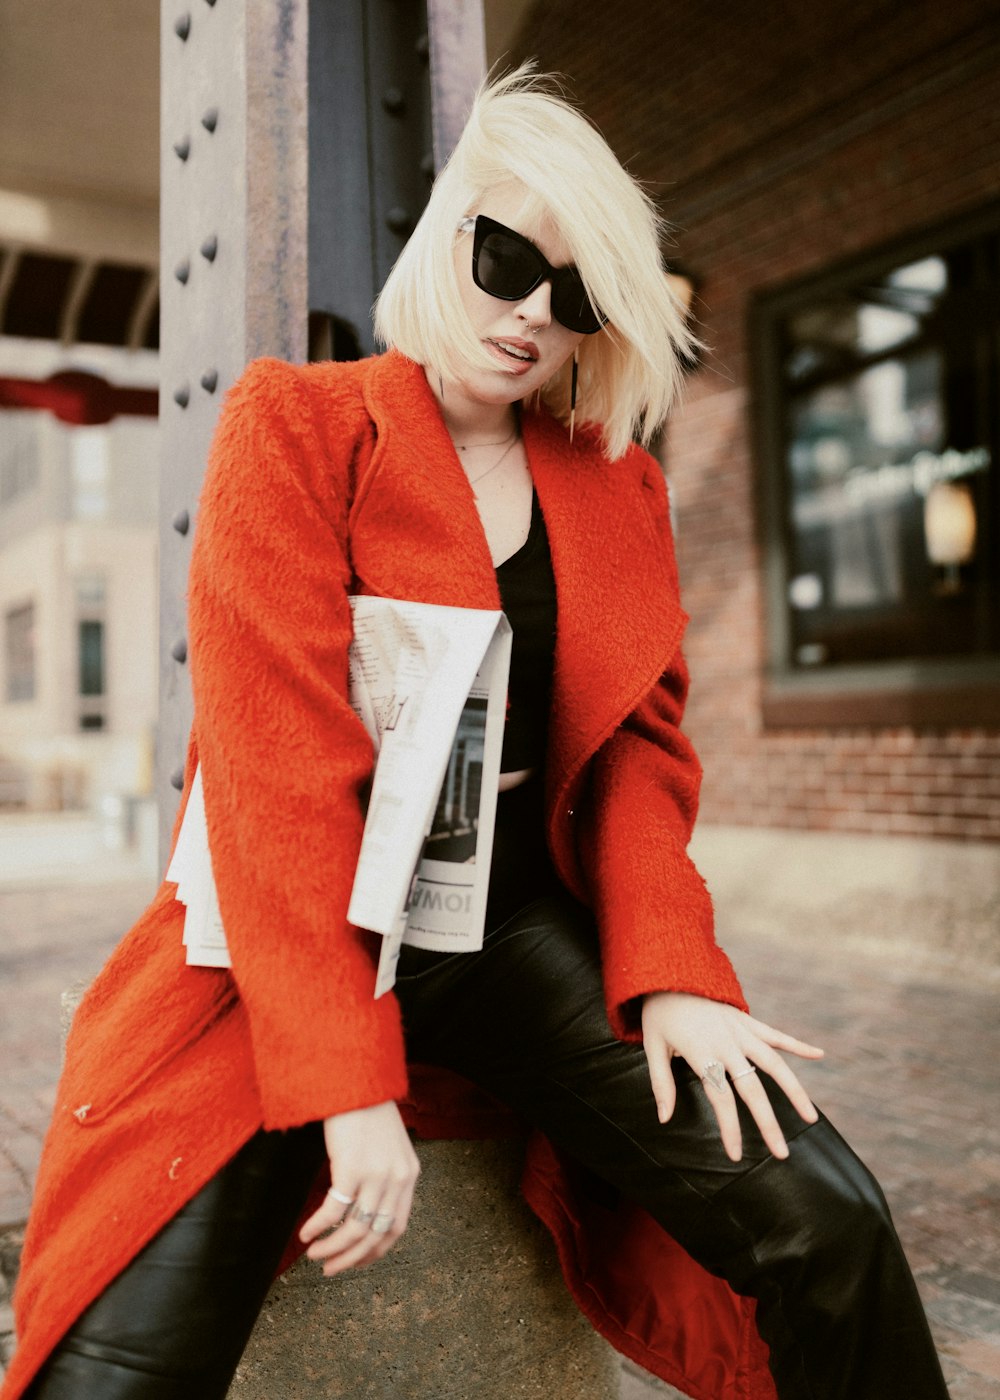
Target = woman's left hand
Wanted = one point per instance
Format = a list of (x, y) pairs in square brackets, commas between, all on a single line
[(712, 1034)]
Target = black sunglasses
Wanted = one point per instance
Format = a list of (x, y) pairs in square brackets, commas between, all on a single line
[(507, 265)]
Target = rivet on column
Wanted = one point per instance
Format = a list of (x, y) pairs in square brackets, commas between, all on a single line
[(181, 522), (182, 26), (182, 271), (393, 100), (211, 119), (177, 779), (182, 396), (398, 219), (427, 166), (209, 380), (183, 147), (423, 48), (179, 650), (209, 248)]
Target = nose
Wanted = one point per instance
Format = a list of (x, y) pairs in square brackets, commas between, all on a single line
[(536, 307)]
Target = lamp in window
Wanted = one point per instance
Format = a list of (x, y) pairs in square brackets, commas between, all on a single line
[(684, 287), (950, 530)]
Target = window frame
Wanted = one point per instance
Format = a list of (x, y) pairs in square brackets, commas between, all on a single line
[(936, 692)]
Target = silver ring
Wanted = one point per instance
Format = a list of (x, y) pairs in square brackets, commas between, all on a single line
[(714, 1073), (744, 1072), (339, 1196), (382, 1223), (363, 1217)]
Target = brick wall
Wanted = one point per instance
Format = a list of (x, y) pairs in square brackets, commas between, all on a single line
[(778, 138)]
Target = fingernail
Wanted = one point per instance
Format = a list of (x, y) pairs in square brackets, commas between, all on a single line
[(661, 1112)]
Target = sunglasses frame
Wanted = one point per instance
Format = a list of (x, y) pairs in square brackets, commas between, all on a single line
[(481, 226)]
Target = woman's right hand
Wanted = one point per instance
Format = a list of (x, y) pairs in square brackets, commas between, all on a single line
[(373, 1165)]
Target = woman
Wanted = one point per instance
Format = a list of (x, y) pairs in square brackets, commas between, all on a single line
[(488, 456)]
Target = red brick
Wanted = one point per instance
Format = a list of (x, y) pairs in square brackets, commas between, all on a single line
[(762, 189)]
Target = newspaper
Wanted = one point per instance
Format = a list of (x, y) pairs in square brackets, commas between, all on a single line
[(429, 683), (191, 867)]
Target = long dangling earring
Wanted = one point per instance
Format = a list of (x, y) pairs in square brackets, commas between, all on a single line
[(572, 396)]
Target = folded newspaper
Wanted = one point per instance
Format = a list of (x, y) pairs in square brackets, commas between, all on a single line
[(429, 683)]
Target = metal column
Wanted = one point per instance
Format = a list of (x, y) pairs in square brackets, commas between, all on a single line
[(389, 88), (232, 267), (370, 163), (297, 151)]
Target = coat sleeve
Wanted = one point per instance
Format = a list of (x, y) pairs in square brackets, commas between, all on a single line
[(283, 757), (652, 907)]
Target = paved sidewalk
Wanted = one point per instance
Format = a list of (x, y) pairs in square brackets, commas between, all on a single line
[(910, 1078), (55, 849)]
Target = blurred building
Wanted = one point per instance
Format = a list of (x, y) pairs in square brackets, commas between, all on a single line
[(78, 589), (79, 468), (831, 172)]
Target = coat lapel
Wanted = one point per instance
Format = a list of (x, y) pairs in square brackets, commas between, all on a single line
[(415, 530), (620, 620), (416, 534)]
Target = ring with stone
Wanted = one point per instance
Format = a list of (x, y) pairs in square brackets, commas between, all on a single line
[(363, 1217), (382, 1223), (339, 1196), (714, 1073), (751, 1069)]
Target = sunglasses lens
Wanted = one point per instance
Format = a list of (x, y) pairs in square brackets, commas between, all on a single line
[(571, 305), (507, 268)]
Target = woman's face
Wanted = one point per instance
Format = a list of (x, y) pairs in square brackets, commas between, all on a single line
[(524, 338)]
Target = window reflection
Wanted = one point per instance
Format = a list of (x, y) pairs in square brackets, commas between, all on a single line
[(865, 320), (889, 460)]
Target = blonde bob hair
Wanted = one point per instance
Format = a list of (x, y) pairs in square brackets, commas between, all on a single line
[(522, 131)]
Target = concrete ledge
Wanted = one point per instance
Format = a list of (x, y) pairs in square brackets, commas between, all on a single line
[(469, 1305)]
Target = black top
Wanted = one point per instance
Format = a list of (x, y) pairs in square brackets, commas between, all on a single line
[(528, 592)]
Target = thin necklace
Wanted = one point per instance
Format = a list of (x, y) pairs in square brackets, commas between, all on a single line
[(474, 479), (465, 446)]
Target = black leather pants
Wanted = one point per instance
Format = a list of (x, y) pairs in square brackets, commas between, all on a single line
[(809, 1237), (173, 1325)]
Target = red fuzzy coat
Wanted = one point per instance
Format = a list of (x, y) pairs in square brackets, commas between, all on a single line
[(326, 479)]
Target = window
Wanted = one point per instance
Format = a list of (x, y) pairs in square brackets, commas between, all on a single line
[(19, 652), (91, 658), (91, 662), (878, 451)]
